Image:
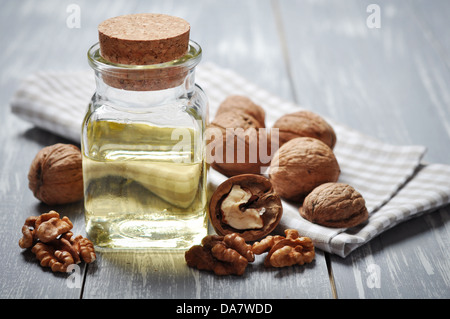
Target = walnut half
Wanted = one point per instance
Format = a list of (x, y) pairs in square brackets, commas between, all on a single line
[(245, 204), (50, 239)]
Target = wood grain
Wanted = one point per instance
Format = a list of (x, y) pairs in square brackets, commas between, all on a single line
[(391, 83), (409, 261), (144, 275)]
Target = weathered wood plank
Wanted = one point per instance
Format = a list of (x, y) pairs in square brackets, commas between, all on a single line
[(165, 275), (390, 83), (339, 67), (21, 276), (434, 23), (240, 35), (411, 260), (235, 34)]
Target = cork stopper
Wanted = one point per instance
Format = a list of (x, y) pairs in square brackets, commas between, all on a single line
[(143, 39), (145, 51)]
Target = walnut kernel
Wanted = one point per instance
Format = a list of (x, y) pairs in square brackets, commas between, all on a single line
[(50, 239), (236, 215), (286, 251), (224, 255), (245, 204)]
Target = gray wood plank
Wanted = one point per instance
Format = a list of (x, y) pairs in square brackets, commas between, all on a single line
[(21, 274), (395, 76), (228, 36), (409, 261), (432, 19), (235, 34), (165, 275), (390, 83)]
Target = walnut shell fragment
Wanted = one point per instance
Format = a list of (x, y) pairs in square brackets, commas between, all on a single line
[(55, 176), (335, 205), (245, 204), (300, 165), (305, 124)]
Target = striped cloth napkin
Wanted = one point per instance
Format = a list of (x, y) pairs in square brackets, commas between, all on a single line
[(394, 182)]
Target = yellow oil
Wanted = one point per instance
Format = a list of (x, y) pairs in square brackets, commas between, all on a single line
[(145, 185)]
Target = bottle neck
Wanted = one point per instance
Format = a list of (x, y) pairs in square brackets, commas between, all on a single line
[(147, 95), (145, 85)]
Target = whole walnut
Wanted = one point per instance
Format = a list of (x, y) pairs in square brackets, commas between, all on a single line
[(300, 165), (305, 124), (56, 176), (235, 140), (240, 103), (335, 205)]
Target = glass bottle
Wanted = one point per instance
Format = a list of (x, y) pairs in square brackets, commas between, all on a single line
[(143, 147)]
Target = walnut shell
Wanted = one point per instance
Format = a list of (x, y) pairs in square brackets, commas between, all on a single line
[(239, 103), (56, 176), (300, 165), (237, 151), (305, 124), (263, 198), (335, 205)]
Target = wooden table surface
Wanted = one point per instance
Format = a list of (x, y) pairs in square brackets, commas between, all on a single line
[(391, 82)]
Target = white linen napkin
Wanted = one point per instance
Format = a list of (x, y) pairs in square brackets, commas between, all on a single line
[(391, 178)]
